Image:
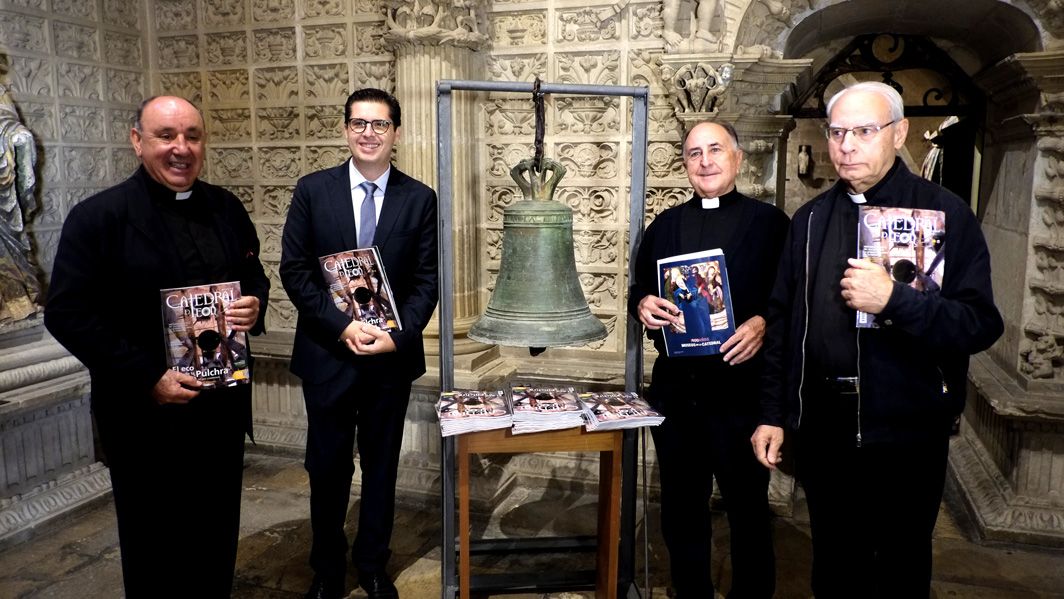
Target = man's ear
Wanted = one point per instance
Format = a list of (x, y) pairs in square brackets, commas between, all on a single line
[(901, 131), (135, 139)]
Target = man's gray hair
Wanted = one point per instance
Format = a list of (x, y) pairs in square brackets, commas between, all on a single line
[(891, 95)]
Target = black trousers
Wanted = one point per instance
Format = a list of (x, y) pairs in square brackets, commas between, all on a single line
[(372, 412), (872, 511), (694, 444), (176, 481)]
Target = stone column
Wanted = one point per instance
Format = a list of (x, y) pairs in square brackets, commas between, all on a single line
[(434, 40)]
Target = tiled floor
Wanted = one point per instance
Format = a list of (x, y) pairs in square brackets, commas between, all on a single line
[(79, 557)]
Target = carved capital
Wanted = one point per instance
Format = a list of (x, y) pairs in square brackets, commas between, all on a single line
[(696, 84), (435, 22)]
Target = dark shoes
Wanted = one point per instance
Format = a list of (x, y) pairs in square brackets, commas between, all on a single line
[(377, 585), (324, 588)]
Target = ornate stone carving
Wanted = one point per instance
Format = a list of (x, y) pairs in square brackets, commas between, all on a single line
[(589, 160), (75, 8), (124, 161), (369, 39), (45, 243), (380, 75), (124, 86), (695, 87), (246, 195), (224, 12), (588, 115), (190, 85), (230, 163), (510, 117), (273, 10), (75, 41), (26, 75), (276, 199), (661, 198), (229, 86), (23, 32), (79, 81), (319, 157), (323, 8), (226, 48), (599, 289), (40, 118), (519, 29), (596, 248), (517, 68), (44, 502), (324, 122), (229, 124), (275, 45), (175, 15), (121, 13), (503, 156), (81, 123), (588, 24), (326, 81), (645, 22), (54, 203), (590, 204), (51, 164), (120, 49), (278, 124), (178, 52), (85, 164), (1039, 358), (436, 22), (270, 236), (278, 85), (665, 160), (608, 342), (493, 244), (279, 163), (597, 68), (499, 197), (281, 314), (700, 30), (38, 4), (325, 41)]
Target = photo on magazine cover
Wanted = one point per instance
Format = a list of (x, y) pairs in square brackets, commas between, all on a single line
[(698, 284), (359, 287), (199, 340)]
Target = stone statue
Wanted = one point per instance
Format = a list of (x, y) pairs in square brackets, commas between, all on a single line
[(19, 285), (803, 160), (700, 38)]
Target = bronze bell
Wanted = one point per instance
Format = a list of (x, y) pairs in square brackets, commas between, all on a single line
[(537, 301)]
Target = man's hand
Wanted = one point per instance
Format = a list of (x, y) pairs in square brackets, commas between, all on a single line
[(169, 388), (243, 313), (746, 341), (368, 339), (655, 312), (866, 286), (767, 440)]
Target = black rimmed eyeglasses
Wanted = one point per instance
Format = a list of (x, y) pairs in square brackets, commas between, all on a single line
[(863, 133), (380, 126)]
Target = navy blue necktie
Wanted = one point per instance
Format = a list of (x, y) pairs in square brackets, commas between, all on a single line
[(367, 220)]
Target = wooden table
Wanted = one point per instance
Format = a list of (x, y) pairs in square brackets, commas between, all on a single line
[(607, 443)]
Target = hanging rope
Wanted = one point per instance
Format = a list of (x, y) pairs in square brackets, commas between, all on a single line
[(537, 101)]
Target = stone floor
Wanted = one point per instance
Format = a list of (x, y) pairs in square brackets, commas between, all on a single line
[(79, 557)]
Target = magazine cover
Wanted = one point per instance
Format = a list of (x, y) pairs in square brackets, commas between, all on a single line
[(198, 338), (359, 287), (698, 284), (908, 243), (467, 411), (545, 400), (619, 409)]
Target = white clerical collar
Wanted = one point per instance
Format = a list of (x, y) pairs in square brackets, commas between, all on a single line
[(183, 195), (857, 198), (710, 203)]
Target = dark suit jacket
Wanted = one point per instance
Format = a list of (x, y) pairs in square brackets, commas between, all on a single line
[(104, 304), (321, 221)]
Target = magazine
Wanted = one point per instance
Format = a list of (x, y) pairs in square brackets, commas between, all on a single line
[(611, 410), (908, 243), (698, 284), (198, 339), (546, 408), (359, 287), (466, 411)]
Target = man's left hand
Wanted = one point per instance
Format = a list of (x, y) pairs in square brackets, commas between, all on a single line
[(243, 313), (746, 341), (370, 340), (866, 286)]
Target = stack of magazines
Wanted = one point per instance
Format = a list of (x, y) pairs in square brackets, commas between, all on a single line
[(467, 411), (538, 409), (611, 410)]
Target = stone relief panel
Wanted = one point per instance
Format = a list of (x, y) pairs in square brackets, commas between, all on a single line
[(593, 68), (228, 86), (124, 86), (125, 162), (590, 204), (320, 157), (270, 238), (230, 163), (597, 248), (121, 49), (31, 76), (323, 8), (278, 85), (380, 75), (661, 198), (324, 122), (588, 115), (81, 123), (75, 41), (275, 45), (278, 124), (85, 165), (121, 13), (589, 160), (178, 52), (224, 12), (517, 68), (279, 163), (664, 160), (53, 207), (45, 243), (175, 15), (273, 10), (369, 38), (50, 164), (325, 41), (610, 341), (588, 24), (38, 4), (246, 195), (226, 48), (601, 290), (119, 122), (79, 81), (229, 124), (510, 116), (493, 244), (369, 7), (280, 314), (519, 29), (499, 197), (40, 118), (23, 32), (75, 8), (326, 81), (645, 22), (186, 85), (276, 199), (502, 157)]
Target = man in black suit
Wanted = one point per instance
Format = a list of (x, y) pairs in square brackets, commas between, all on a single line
[(175, 451), (356, 377)]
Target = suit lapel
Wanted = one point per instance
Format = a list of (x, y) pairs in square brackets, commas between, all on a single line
[(394, 198), (340, 203), (146, 219)]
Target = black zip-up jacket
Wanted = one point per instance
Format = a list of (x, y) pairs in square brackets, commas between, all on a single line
[(913, 369)]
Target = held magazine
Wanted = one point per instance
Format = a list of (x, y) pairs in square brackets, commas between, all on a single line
[(908, 242), (698, 284), (198, 338), (359, 287)]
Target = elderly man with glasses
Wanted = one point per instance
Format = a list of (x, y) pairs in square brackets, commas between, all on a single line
[(870, 410)]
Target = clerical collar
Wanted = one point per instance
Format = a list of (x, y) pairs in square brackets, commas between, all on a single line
[(712, 203), (162, 193), (857, 198), (183, 195)]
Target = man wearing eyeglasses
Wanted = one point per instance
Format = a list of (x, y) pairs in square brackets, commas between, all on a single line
[(356, 377), (869, 411)]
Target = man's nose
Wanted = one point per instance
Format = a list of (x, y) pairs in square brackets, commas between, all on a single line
[(848, 141)]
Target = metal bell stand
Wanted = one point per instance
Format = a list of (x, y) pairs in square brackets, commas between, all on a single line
[(633, 363)]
